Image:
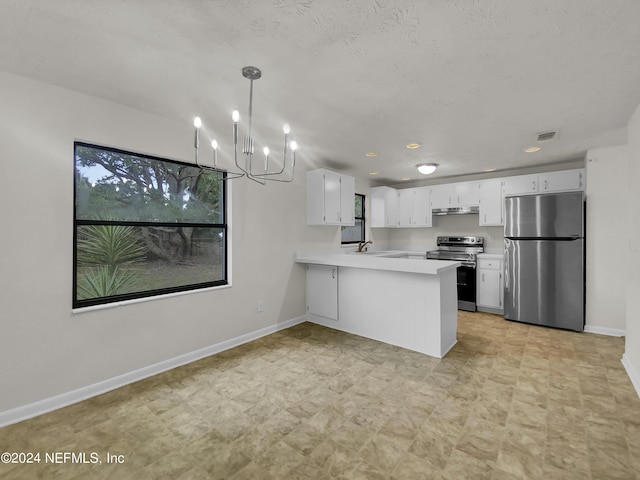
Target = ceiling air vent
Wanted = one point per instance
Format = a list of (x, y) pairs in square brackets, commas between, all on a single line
[(547, 136)]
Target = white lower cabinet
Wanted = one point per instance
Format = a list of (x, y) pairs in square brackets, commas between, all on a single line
[(489, 283), (322, 291)]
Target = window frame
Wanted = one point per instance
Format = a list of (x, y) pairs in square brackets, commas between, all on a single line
[(158, 292), (356, 218)]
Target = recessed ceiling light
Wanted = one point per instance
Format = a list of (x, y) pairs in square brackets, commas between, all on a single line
[(413, 146), (373, 173), (532, 149), (492, 169), (427, 168), (371, 154), (404, 179)]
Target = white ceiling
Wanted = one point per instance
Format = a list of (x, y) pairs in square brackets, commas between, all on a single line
[(472, 81)]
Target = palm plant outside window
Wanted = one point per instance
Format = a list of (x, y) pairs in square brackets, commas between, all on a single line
[(144, 226)]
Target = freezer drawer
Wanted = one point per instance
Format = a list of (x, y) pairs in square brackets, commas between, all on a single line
[(544, 282)]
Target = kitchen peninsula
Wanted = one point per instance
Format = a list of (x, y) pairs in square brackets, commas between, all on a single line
[(391, 296)]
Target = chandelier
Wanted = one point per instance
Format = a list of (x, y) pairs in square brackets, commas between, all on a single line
[(246, 166)]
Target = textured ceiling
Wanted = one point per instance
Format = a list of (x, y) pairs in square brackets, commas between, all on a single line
[(473, 81)]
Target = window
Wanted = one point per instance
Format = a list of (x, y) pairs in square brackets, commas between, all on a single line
[(144, 226), (355, 234)]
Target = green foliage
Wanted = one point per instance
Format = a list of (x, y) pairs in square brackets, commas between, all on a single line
[(138, 188), (104, 281), (109, 245), (110, 248)]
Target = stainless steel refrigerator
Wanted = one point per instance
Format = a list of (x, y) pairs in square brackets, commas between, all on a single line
[(544, 260)]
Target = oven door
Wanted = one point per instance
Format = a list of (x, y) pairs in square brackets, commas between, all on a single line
[(467, 288)]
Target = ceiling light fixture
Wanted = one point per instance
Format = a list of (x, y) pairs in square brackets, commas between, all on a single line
[(374, 173), (413, 146), (427, 168), (251, 73), (371, 154), (532, 149)]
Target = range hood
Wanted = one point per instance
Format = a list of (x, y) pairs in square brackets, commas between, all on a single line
[(456, 210)]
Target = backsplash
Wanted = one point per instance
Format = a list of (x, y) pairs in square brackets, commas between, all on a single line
[(422, 239)]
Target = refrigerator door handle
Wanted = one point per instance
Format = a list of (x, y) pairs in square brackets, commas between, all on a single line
[(506, 267)]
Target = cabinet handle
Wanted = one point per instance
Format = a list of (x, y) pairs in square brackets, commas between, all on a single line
[(483, 277), (333, 273), (546, 184)]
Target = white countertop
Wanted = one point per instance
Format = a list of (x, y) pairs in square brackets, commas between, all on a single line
[(377, 261), (496, 256)]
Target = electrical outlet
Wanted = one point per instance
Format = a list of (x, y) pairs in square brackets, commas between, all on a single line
[(260, 306)]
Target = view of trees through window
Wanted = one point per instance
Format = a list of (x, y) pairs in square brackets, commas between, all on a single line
[(355, 233), (144, 226)]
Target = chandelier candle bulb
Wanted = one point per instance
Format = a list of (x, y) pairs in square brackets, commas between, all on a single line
[(294, 147), (235, 117), (245, 167), (197, 122), (214, 145)]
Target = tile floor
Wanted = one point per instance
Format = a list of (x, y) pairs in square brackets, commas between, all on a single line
[(510, 401)]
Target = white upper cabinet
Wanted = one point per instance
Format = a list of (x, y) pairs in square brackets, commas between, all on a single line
[(565, 181), (442, 196), (330, 198), (347, 200), (521, 185), (414, 208), (549, 182), (466, 194), (462, 194), (384, 207), (491, 202)]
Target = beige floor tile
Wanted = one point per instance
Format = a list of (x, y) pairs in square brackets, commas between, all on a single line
[(510, 401)]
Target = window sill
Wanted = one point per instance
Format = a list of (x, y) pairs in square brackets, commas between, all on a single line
[(76, 311)]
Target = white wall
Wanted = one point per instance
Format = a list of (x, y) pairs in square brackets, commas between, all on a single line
[(423, 239), (631, 357), (607, 205), (45, 350)]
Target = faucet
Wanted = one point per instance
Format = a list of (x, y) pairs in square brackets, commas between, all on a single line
[(362, 246)]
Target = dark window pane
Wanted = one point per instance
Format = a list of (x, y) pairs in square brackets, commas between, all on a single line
[(119, 186), (144, 226), (358, 210), (116, 260), (353, 234)]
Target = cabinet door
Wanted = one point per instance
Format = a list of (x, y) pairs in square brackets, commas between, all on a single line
[(441, 196), (378, 214), (491, 202), (421, 207), (565, 181), (347, 204), (466, 194), (521, 185), (405, 207), (332, 198), (489, 288), (322, 291), (392, 208)]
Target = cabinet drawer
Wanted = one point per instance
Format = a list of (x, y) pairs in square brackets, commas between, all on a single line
[(489, 263)]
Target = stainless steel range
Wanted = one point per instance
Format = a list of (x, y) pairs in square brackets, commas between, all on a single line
[(465, 251)]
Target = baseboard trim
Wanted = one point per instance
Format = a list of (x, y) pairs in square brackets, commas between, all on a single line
[(631, 372), (612, 332), (24, 412)]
